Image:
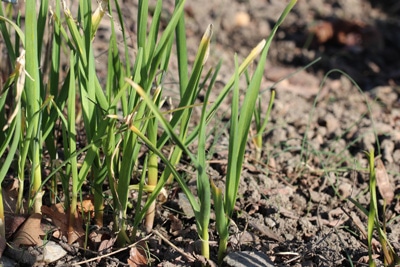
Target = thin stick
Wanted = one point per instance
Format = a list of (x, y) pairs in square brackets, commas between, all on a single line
[(186, 255), (111, 253)]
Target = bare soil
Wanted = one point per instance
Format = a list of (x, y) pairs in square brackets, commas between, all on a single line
[(293, 204)]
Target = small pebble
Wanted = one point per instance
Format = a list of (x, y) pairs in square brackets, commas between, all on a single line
[(242, 19), (269, 222)]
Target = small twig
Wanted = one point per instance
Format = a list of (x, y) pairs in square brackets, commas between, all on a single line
[(287, 253), (111, 253), (186, 255)]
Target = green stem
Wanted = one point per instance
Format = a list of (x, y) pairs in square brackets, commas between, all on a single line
[(223, 245), (258, 138), (153, 165), (2, 224), (205, 244), (98, 199), (152, 175), (72, 217), (32, 90)]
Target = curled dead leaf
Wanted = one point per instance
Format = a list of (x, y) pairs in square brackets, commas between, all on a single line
[(137, 257), (162, 196), (10, 194), (30, 233), (176, 225), (87, 206), (365, 259), (12, 223), (58, 215), (383, 182), (107, 244)]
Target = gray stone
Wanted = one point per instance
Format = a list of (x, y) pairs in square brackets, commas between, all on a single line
[(7, 262), (247, 259), (53, 252)]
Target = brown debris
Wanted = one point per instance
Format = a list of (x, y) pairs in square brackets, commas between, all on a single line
[(176, 225), (13, 222), (383, 182), (59, 217), (30, 233), (137, 257), (352, 34), (87, 206)]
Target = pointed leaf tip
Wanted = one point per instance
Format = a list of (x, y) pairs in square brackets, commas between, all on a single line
[(209, 32)]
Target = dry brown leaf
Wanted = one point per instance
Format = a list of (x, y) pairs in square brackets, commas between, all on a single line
[(87, 206), (103, 240), (57, 214), (95, 237), (162, 196), (137, 257), (13, 186), (12, 222), (75, 231), (357, 221), (59, 217), (107, 244), (383, 182), (176, 225), (10, 195), (365, 259), (30, 233)]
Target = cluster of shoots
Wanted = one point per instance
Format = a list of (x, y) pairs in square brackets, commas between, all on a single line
[(377, 214), (123, 114), (56, 91)]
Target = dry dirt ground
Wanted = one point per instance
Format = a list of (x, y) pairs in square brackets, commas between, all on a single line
[(293, 207)]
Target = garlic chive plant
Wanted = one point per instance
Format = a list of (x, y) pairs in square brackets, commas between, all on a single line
[(119, 114)]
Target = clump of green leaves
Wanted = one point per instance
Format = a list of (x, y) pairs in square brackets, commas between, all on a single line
[(378, 177), (120, 117)]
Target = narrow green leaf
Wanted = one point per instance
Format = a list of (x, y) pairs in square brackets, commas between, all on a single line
[(161, 183)]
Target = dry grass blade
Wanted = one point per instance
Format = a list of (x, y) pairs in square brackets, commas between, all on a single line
[(383, 182), (20, 73)]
